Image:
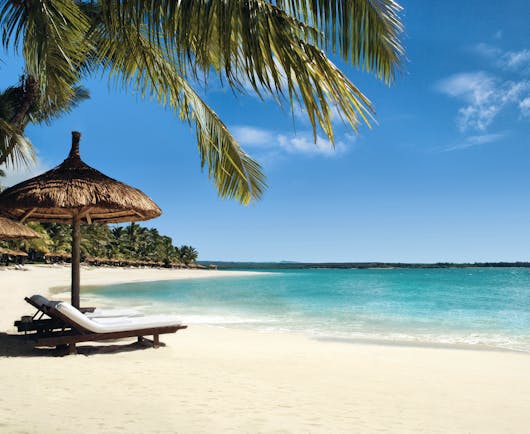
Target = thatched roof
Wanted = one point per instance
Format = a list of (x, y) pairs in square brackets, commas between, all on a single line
[(12, 252), (57, 255), (11, 229), (72, 187)]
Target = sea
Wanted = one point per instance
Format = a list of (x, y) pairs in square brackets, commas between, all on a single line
[(481, 308)]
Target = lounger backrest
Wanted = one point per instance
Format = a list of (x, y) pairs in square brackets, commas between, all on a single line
[(40, 301)]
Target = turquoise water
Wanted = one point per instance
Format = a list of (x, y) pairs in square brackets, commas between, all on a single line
[(477, 306)]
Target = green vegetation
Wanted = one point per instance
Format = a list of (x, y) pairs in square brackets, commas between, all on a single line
[(165, 49), (132, 242)]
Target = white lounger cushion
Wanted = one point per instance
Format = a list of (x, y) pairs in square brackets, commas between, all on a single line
[(109, 325), (114, 313), (98, 313)]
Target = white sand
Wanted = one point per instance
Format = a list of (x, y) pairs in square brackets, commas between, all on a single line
[(219, 380)]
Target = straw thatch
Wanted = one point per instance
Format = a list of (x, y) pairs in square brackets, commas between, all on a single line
[(10, 229), (73, 192), (75, 187), (57, 255), (12, 252)]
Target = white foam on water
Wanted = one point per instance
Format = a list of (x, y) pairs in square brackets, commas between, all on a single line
[(399, 309)]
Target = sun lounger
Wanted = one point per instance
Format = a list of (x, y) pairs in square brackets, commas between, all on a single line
[(39, 323), (20, 267), (67, 325)]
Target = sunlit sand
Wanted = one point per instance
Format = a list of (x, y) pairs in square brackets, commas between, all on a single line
[(208, 379)]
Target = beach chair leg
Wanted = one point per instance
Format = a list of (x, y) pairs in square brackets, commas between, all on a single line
[(140, 339), (156, 341), (72, 349)]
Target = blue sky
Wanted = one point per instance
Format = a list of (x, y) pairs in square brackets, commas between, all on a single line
[(443, 176)]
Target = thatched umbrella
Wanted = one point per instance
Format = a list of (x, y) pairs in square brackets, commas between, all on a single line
[(10, 229), (74, 192), (10, 252)]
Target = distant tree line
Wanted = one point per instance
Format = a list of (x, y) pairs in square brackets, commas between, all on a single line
[(132, 242), (362, 265)]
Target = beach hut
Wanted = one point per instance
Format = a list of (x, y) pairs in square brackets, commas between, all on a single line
[(54, 257), (10, 252), (74, 192), (18, 253), (10, 229)]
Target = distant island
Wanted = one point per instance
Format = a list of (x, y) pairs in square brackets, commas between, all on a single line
[(284, 265)]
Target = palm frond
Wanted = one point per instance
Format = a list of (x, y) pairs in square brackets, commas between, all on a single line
[(15, 148), (52, 35), (17, 111), (249, 42), (364, 32), (46, 113), (135, 61), (275, 47)]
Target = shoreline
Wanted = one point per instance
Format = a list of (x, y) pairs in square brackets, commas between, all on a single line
[(216, 379), (99, 277)]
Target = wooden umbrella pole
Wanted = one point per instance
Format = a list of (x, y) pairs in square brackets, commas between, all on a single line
[(76, 257)]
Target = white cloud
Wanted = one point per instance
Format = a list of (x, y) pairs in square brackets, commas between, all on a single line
[(473, 87), (524, 106), (484, 96), (14, 176), (477, 90), (476, 140), (282, 143), (335, 115), (251, 136), (305, 144), (484, 138), (516, 61), (486, 50)]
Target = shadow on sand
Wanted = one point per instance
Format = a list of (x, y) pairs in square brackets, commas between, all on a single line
[(12, 345)]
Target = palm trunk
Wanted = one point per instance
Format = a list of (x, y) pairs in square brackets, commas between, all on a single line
[(76, 258)]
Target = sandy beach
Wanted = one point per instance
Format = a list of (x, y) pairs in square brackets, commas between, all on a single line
[(209, 379)]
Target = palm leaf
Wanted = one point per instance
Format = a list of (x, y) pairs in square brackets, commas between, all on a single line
[(275, 47), (249, 42), (364, 32), (133, 60), (52, 35), (15, 148)]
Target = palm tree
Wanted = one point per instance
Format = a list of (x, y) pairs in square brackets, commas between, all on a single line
[(19, 106), (188, 254), (161, 48), (36, 247), (134, 240), (60, 236), (95, 240), (130, 242)]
